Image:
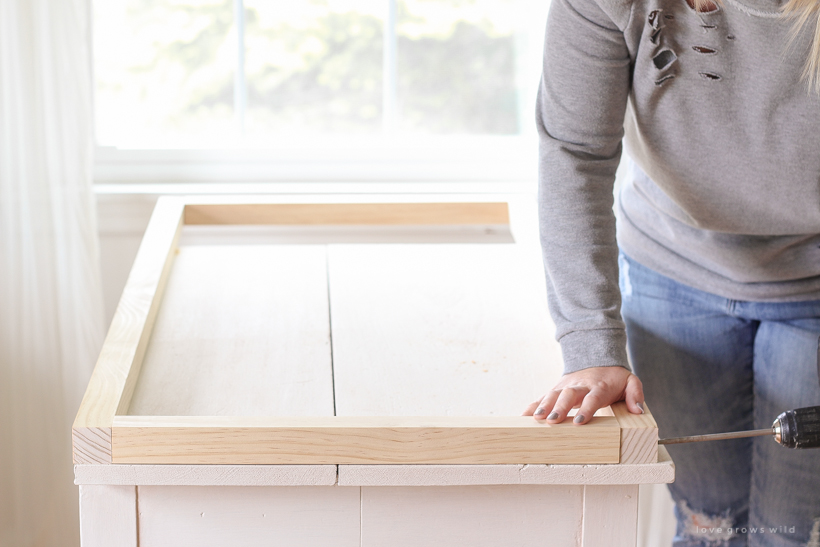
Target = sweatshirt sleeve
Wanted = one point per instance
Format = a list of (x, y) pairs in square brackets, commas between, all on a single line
[(580, 113)]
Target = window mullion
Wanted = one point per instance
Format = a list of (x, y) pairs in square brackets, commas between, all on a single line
[(240, 93), (389, 72)]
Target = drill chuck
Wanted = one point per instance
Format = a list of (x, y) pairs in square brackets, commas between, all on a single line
[(798, 428)]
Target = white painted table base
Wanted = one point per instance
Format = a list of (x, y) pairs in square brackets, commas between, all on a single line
[(372, 516), (360, 505)]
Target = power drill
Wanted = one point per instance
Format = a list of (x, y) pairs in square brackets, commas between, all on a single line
[(799, 428)]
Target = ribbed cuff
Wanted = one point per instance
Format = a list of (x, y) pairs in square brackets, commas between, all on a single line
[(594, 348)]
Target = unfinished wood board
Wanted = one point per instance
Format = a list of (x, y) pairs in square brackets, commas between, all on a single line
[(207, 475), (348, 213), (112, 382), (91, 445), (639, 435), (439, 330), (242, 330), (610, 516), (108, 516), (225, 516), (477, 516), (360, 440)]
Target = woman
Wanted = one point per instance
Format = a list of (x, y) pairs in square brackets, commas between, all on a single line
[(718, 240)]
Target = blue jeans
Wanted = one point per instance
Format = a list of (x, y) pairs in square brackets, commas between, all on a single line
[(710, 364)]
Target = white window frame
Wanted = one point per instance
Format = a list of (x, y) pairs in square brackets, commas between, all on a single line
[(439, 163)]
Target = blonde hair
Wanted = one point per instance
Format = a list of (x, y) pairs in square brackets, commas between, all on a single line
[(803, 12)]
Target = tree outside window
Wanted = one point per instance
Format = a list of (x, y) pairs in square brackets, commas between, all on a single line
[(200, 72)]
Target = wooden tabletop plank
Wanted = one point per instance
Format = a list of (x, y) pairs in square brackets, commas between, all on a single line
[(447, 330), (242, 330)]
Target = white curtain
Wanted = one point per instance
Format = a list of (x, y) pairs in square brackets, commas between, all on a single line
[(51, 318)]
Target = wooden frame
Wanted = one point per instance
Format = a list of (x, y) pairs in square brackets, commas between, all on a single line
[(104, 434)]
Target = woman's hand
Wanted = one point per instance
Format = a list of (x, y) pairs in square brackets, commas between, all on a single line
[(590, 389)]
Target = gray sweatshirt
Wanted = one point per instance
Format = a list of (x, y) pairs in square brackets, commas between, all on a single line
[(724, 195)]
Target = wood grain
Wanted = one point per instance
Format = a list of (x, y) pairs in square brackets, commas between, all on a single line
[(241, 331), (610, 516), (347, 213), (639, 435), (115, 374), (108, 516), (91, 444), (356, 440)]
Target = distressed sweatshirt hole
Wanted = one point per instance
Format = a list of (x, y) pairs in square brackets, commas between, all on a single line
[(664, 59), (654, 19), (711, 76), (660, 81), (705, 50)]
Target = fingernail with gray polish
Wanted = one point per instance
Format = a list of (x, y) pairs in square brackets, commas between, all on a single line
[(539, 411), (640, 405), (578, 418), (552, 416)]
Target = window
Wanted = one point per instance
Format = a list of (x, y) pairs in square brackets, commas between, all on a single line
[(362, 75)]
